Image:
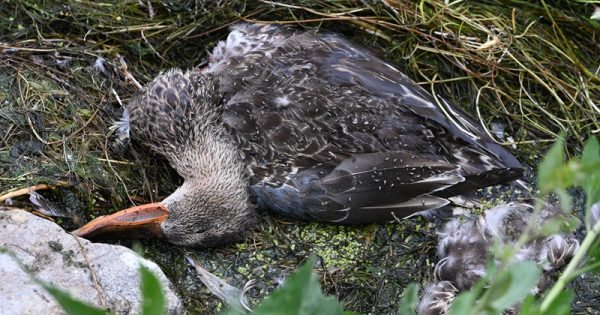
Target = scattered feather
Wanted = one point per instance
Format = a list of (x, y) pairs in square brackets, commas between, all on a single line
[(223, 290), (498, 129), (99, 65), (48, 208), (595, 211), (596, 14), (464, 247)]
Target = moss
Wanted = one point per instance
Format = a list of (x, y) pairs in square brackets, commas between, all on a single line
[(339, 246), (67, 257), (55, 246)]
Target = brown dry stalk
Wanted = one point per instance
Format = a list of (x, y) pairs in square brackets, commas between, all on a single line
[(23, 191)]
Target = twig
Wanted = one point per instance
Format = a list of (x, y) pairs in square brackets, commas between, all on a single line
[(115, 172), (95, 280), (153, 50), (116, 162), (23, 191), (128, 74)]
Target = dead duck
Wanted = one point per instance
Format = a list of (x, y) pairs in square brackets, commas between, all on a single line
[(465, 247), (309, 126)]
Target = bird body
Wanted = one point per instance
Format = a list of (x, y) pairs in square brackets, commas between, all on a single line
[(311, 127)]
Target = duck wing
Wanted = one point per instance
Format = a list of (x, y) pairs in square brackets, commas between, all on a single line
[(364, 188), (344, 63), (485, 162), (315, 116)]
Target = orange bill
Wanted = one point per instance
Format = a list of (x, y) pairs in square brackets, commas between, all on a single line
[(135, 222)]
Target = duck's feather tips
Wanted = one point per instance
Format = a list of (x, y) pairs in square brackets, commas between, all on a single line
[(367, 187), (464, 249)]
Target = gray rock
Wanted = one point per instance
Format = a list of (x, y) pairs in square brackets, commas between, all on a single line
[(106, 276)]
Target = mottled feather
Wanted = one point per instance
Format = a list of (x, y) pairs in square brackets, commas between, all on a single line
[(326, 129)]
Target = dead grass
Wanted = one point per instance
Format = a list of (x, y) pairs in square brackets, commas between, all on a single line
[(66, 70)]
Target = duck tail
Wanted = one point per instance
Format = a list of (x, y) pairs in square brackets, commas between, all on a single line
[(486, 165)]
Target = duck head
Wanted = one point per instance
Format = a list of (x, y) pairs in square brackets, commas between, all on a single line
[(178, 117), (195, 215)]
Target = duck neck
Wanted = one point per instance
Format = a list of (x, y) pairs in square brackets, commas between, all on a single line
[(212, 206), (209, 156), (211, 167)]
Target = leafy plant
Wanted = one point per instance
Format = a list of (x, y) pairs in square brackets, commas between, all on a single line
[(301, 294), (153, 299), (510, 283), (585, 173), (71, 305), (409, 301)]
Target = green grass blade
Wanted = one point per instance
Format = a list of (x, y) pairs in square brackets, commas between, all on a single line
[(153, 299), (409, 301), (70, 305)]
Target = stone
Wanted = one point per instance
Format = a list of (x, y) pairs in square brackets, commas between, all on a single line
[(104, 275)]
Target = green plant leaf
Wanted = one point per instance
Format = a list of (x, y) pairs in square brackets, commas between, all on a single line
[(590, 160), (301, 294), (70, 305), (530, 306), (463, 303), (594, 254), (591, 152), (551, 226), (562, 304), (409, 301), (513, 284), (566, 201), (235, 308), (550, 167), (153, 298)]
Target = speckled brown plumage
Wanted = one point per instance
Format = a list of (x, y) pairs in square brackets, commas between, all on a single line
[(323, 129)]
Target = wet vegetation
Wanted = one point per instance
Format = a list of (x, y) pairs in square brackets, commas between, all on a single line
[(527, 71)]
